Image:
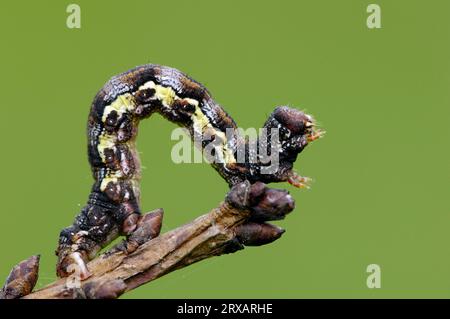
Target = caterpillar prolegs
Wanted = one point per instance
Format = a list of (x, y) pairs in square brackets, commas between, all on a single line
[(113, 205)]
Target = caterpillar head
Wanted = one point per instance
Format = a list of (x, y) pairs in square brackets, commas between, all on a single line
[(295, 121), (297, 129), (294, 130)]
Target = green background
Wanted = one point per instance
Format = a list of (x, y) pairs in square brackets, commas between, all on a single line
[(381, 173)]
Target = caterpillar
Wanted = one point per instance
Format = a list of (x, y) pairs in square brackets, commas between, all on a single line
[(113, 207)]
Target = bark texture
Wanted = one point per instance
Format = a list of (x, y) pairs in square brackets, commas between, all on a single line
[(239, 221)]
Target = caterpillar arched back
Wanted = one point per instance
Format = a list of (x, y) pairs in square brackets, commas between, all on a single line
[(113, 206)]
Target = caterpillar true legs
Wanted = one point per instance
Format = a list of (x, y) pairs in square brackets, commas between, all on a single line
[(113, 205)]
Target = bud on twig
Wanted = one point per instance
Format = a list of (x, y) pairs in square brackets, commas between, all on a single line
[(238, 195), (22, 279), (254, 234), (275, 204), (148, 227), (107, 290)]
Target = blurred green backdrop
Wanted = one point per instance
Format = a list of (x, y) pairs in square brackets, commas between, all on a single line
[(381, 173)]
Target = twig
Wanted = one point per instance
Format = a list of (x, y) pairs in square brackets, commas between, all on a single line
[(239, 221)]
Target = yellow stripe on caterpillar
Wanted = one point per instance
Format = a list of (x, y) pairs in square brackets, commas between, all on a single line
[(122, 104), (164, 94), (228, 156), (106, 180), (201, 123), (105, 141)]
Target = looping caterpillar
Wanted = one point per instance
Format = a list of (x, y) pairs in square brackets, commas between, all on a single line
[(113, 205)]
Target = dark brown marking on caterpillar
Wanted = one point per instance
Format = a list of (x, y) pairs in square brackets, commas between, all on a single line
[(113, 205)]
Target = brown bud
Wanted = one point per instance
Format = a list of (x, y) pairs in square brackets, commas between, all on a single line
[(274, 204), (22, 279), (255, 234), (257, 190), (148, 227), (104, 290), (245, 195), (238, 195), (130, 223)]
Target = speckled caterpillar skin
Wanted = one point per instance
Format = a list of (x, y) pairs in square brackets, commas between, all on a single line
[(113, 205)]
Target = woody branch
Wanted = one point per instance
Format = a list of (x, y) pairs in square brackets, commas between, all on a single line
[(239, 221)]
